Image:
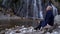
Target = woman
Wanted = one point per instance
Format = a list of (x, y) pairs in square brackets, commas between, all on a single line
[(49, 18)]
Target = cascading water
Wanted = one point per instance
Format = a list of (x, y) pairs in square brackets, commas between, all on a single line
[(31, 7), (35, 9), (7, 3), (3, 3), (22, 9), (38, 9)]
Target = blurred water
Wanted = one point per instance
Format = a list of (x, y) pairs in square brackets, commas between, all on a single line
[(38, 13), (3, 3), (6, 3)]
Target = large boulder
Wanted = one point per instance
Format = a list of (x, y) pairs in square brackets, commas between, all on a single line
[(57, 19)]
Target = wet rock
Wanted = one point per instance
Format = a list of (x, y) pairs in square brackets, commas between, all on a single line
[(57, 19)]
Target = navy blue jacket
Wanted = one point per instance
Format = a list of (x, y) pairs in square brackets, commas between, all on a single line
[(49, 19)]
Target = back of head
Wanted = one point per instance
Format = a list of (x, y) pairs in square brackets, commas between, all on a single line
[(48, 8)]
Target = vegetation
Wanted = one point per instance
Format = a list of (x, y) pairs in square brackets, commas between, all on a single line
[(0, 1), (58, 0)]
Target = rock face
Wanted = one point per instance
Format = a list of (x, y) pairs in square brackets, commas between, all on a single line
[(57, 19)]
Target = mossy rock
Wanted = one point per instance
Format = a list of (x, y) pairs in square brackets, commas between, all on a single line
[(58, 0)]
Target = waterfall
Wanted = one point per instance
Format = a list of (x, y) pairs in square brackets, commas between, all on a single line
[(7, 3), (55, 10), (21, 8), (3, 3), (30, 8), (35, 10), (24, 8), (38, 9)]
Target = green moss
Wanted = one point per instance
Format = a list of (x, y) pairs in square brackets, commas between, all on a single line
[(58, 0), (0, 0)]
